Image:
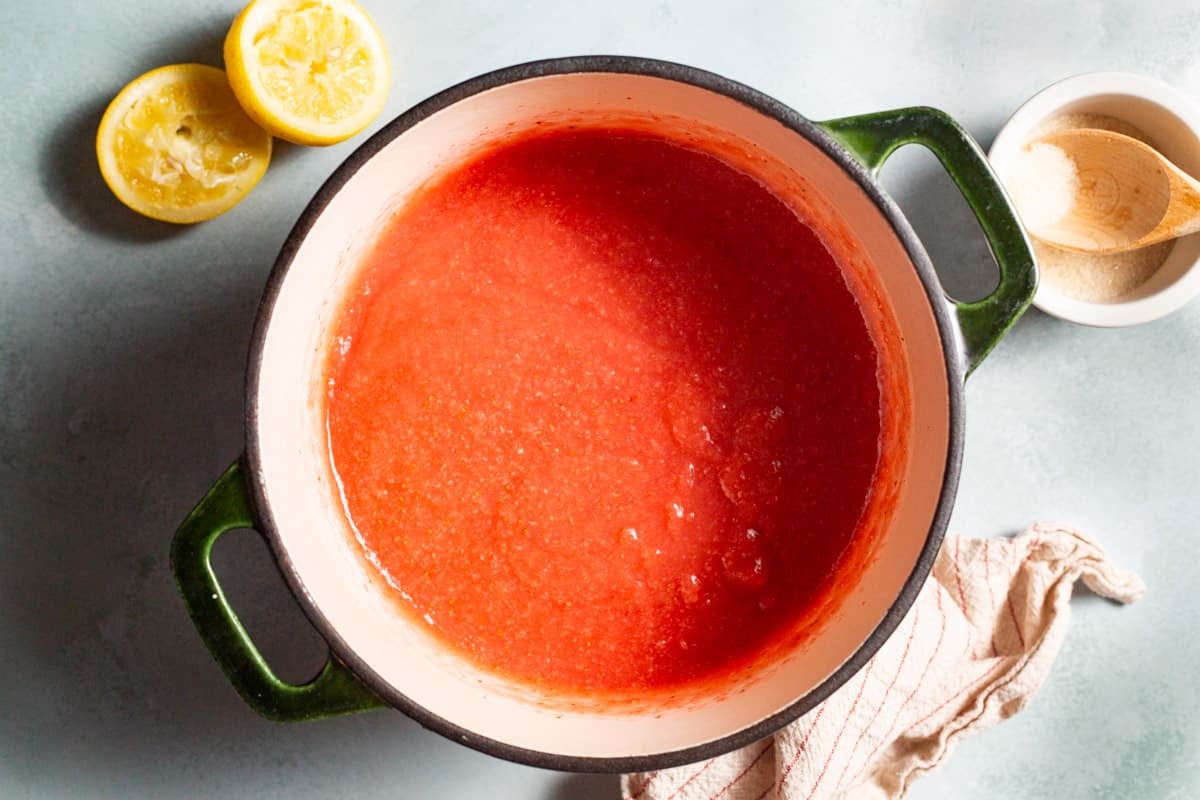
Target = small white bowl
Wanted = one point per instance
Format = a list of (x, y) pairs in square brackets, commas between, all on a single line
[(1171, 121)]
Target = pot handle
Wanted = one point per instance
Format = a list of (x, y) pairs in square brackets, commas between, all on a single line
[(335, 690), (871, 138)]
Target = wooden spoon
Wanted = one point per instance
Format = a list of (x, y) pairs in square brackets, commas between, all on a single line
[(1129, 195)]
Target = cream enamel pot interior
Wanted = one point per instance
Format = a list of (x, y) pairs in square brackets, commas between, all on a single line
[(281, 487)]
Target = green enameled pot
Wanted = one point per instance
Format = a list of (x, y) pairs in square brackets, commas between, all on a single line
[(280, 487)]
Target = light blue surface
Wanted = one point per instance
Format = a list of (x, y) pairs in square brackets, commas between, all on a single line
[(122, 344)]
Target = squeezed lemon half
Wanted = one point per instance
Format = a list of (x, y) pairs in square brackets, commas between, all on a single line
[(175, 145), (313, 72)]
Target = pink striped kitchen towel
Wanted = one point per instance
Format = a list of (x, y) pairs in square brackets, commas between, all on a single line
[(973, 649)]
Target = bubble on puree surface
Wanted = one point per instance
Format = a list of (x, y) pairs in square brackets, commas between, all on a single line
[(604, 413)]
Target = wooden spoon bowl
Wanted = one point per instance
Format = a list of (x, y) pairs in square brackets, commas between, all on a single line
[(1129, 195)]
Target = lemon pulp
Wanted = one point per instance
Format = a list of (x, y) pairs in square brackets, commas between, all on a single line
[(175, 145), (309, 71)]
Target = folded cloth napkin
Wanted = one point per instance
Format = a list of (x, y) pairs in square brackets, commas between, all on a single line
[(973, 649)]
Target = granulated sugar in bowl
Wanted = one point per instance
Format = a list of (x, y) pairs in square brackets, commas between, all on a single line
[(1104, 290)]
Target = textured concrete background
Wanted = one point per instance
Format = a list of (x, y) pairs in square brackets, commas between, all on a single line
[(122, 344)]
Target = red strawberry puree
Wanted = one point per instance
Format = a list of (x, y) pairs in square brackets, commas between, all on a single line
[(605, 413)]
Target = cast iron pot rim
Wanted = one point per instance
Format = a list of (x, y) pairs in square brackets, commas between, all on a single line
[(947, 330)]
